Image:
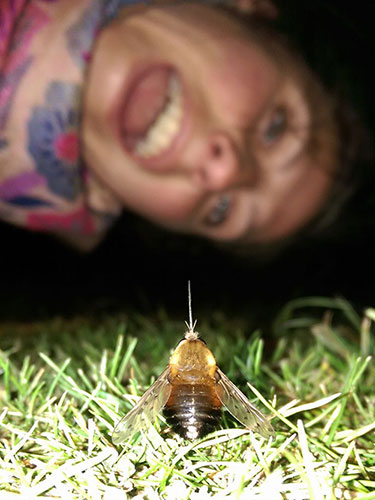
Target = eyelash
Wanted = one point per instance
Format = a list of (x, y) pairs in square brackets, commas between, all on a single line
[(276, 127), (220, 212)]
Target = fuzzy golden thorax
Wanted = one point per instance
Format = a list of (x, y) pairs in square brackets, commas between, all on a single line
[(192, 362)]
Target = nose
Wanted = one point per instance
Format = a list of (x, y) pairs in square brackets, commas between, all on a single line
[(218, 165)]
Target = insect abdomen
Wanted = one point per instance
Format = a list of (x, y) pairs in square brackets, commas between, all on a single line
[(193, 410)]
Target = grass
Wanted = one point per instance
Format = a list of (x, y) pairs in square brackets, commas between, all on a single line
[(65, 384)]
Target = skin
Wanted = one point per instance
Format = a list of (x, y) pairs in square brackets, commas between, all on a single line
[(247, 129)]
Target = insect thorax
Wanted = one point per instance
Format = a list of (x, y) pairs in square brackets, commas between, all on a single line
[(192, 358)]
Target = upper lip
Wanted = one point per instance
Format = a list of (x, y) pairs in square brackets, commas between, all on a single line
[(167, 158)]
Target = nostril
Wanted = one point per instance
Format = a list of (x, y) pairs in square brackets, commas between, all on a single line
[(218, 164), (217, 150)]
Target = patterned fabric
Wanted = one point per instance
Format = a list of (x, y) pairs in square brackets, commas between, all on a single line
[(9, 12), (44, 184)]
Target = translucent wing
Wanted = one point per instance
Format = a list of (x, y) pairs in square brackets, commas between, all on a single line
[(145, 411), (240, 407)]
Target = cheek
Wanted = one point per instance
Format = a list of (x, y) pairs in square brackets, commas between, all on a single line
[(294, 199)]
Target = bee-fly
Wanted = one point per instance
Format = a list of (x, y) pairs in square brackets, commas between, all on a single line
[(191, 391)]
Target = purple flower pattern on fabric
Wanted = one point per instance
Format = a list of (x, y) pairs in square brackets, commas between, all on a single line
[(9, 84), (31, 197), (15, 190), (53, 139), (82, 33), (18, 60), (9, 12), (29, 23), (20, 184), (112, 7)]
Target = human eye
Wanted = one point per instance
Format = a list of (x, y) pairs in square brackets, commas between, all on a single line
[(220, 211), (275, 127)]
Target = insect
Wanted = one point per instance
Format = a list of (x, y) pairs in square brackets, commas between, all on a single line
[(191, 392)]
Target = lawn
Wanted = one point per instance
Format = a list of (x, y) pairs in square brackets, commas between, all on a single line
[(65, 383)]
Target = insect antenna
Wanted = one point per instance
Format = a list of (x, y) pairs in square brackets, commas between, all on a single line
[(190, 334)]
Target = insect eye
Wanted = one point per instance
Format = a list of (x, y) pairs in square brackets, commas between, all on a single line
[(276, 126), (219, 213)]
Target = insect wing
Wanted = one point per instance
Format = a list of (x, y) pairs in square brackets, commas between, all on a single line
[(240, 407), (145, 411)]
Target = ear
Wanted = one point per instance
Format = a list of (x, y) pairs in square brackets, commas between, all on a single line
[(263, 8)]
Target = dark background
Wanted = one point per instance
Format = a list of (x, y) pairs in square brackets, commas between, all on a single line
[(41, 276)]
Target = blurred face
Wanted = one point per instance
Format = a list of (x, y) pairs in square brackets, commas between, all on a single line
[(198, 128)]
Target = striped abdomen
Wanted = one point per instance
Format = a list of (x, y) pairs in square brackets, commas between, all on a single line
[(193, 410)]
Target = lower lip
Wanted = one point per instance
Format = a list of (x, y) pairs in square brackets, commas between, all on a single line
[(165, 160)]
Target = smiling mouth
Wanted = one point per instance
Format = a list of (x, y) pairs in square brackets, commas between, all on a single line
[(153, 114)]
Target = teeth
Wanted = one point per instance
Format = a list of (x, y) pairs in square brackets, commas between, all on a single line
[(165, 127)]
